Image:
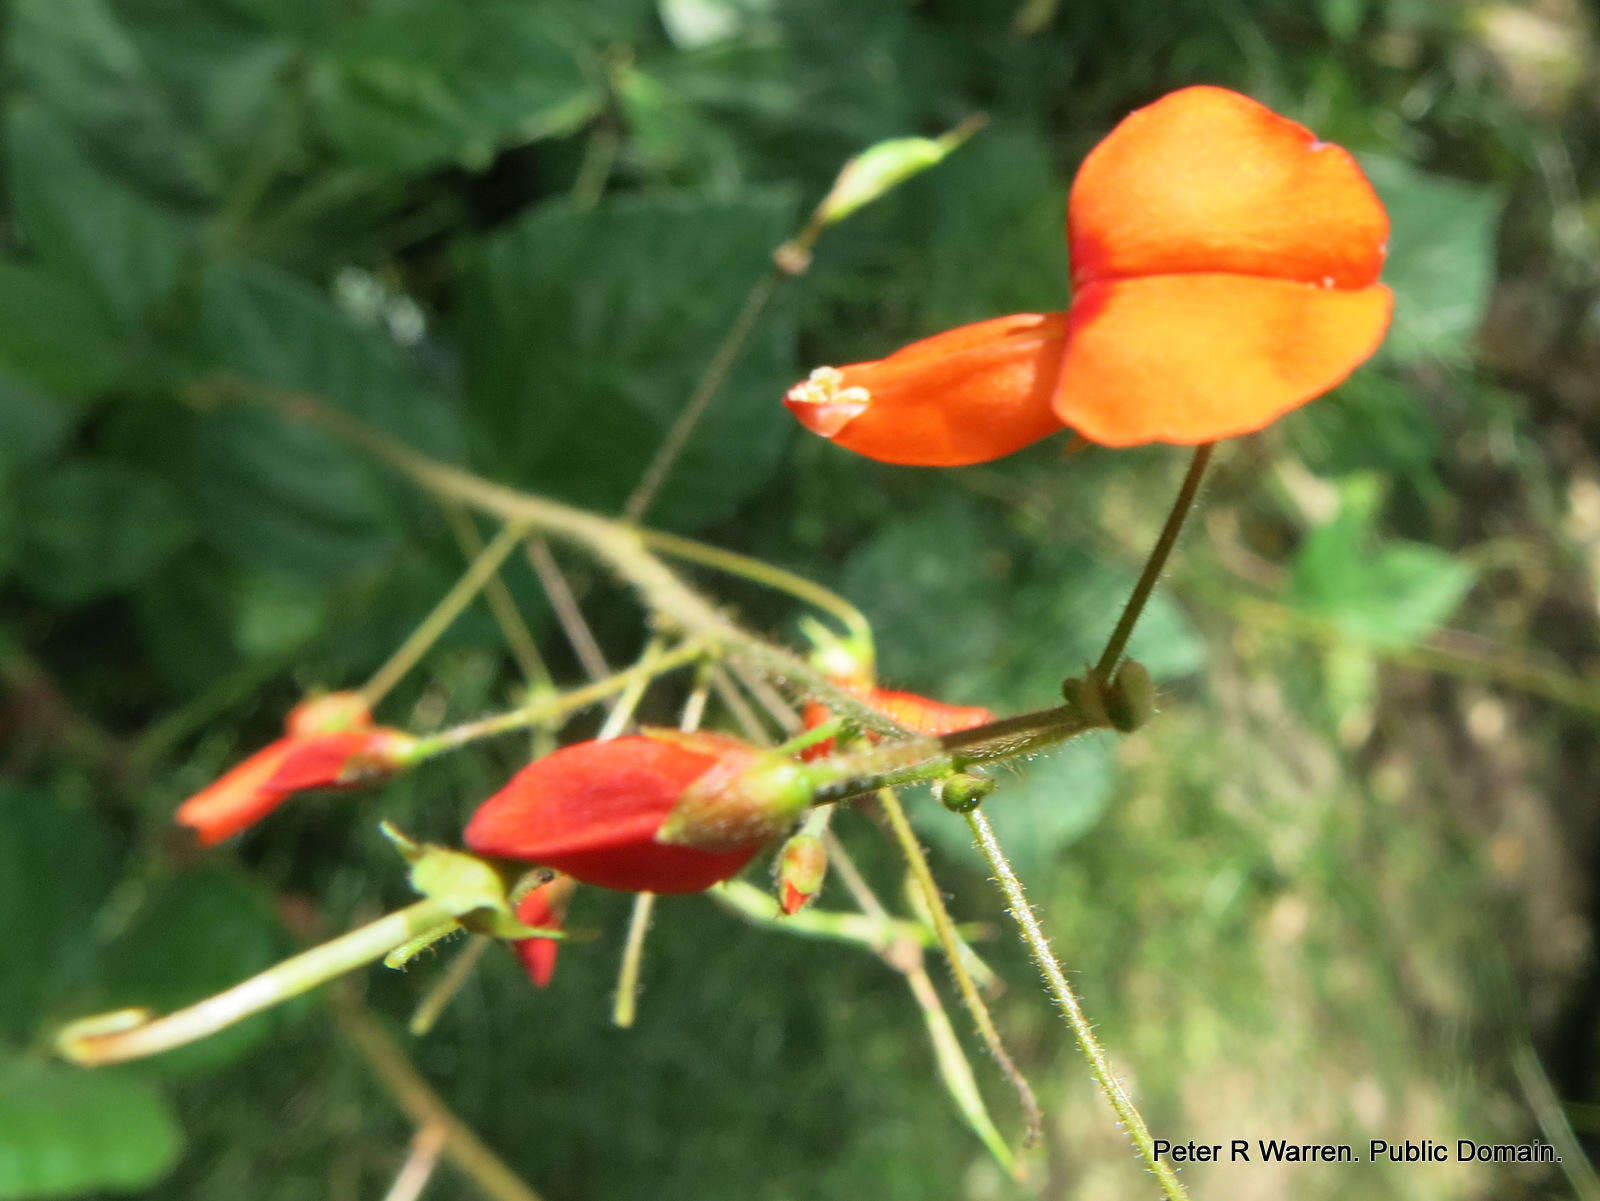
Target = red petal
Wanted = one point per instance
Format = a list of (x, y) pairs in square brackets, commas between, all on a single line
[(318, 761), (1193, 358), (793, 899), (967, 395), (927, 716), (236, 799), (543, 906), (1207, 180), (592, 809)]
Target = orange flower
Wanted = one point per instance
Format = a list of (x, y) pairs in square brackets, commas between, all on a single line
[(1224, 266), (330, 742)]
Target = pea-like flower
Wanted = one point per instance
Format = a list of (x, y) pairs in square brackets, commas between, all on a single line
[(658, 811), (544, 906), (1224, 270), (329, 742)]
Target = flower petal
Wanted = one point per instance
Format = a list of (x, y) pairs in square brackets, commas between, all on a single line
[(968, 395), (1194, 358), (1207, 180), (237, 798), (592, 810)]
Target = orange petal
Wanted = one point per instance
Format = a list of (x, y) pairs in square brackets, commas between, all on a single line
[(964, 396), (1207, 180), (1193, 358), (238, 798)]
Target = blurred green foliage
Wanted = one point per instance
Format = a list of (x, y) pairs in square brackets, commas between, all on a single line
[(1328, 895)]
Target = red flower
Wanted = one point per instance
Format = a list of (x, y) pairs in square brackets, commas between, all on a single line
[(1224, 266), (597, 811), (544, 906), (330, 743), (916, 713)]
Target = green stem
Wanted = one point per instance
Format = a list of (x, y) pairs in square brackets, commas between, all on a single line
[(759, 572), (1066, 1000), (478, 573), (626, 1006), (422, 1105), (548, 708), (716, 374), (950, 943), (133, 1034), (1187, 491)]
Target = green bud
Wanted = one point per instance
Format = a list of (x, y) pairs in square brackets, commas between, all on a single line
[(881, 168), (1131, 699), (745, 798), (963, 793)]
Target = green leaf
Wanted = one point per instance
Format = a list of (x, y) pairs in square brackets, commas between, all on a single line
[(197, 934), (1013, 598), (67, 1133), (54, 335), (415, 86), (287, 497), (585, 331), (95, 527), (83, 62), (32, 425), (82, 225), (1384, 592), (1440, 262), (55, 869), (1038, 809)]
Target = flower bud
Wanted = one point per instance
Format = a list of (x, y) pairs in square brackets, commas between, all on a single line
[(742, 799), (964, 792), (1131, 698), (330, 742), (544, 906), (802, 865), (593, 810)]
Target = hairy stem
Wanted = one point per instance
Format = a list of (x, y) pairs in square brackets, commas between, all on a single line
[(950, 943), (1066, 1000)]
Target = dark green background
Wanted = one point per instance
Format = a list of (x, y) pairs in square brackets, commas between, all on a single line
[(1336, 891)]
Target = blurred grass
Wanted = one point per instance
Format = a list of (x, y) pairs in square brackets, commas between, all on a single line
[(1328, 895)]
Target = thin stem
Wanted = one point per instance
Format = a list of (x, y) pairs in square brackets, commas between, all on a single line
[(759, 572), (1187, 491), (548, 708), (479, 573), (628, 703), (421, 1160), (1066, 1000), (568, 612), (448, 985), (620, 547), (524, 647), (863, 929), (950, 943), (716, 374), (422, 1105), (768, 697), (728, 693), (626, 1006), (134, 1034)]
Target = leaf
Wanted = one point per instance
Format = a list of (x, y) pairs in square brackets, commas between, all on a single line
[(584, 333), (32, 426), (1382, 591), (83, 63), (95, 527), (53, 335), (67, 1133), (287, 497), (195, 935), (1038, 809), (55, 869), (1030, 615), (1440, 262), (420, 85), (83, 226)]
